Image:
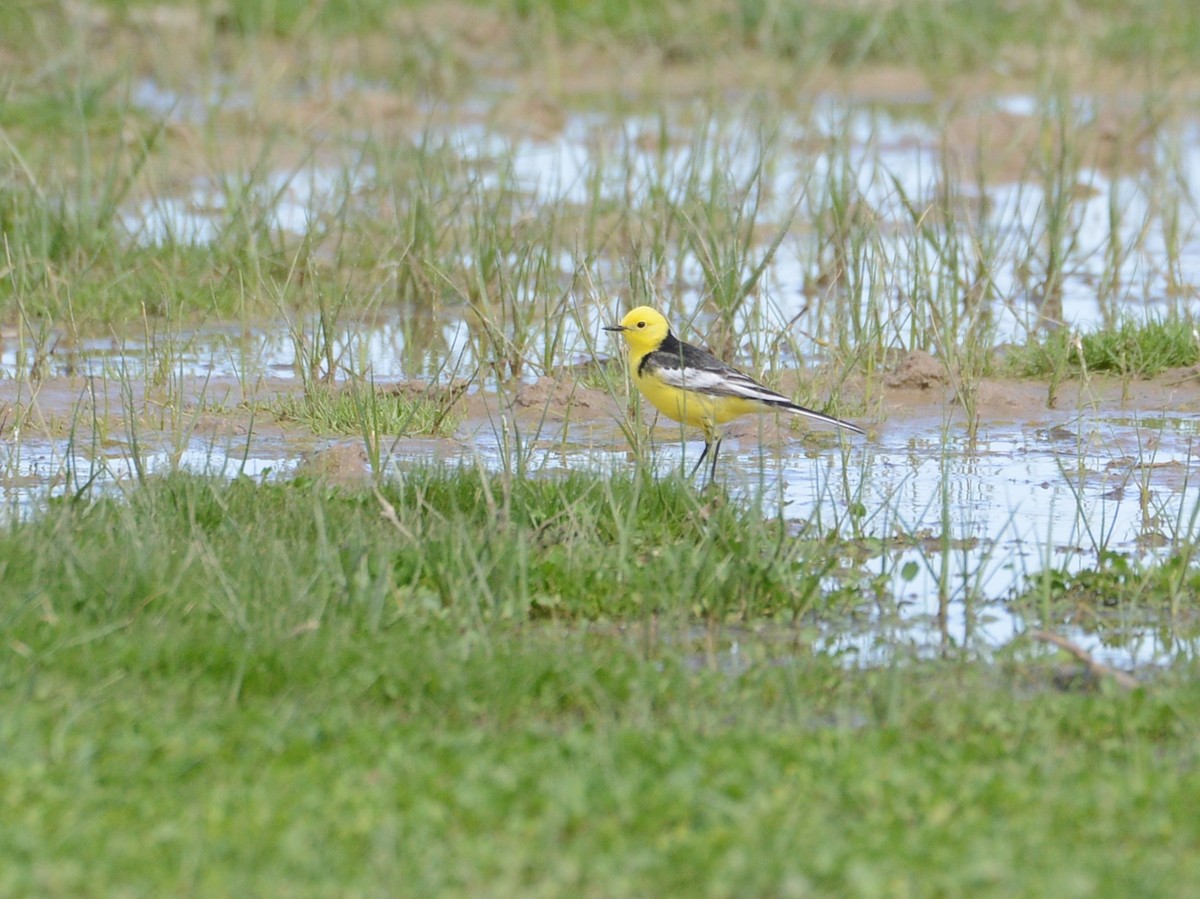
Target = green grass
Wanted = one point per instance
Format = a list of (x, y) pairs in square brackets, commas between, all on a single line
[(489, 548), (357, 409), (1130, 348), (1119, 598), (218, 689)]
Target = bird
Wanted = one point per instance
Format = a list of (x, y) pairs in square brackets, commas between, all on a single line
[(693, 386)]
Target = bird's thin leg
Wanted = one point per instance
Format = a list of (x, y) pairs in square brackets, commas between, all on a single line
[(699, 461), (712, 474)]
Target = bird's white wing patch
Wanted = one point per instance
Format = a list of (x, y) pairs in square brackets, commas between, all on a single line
[(698, 379), (745, 386), (726, 382)]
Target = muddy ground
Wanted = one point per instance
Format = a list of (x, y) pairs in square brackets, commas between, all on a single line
[(918, 397)]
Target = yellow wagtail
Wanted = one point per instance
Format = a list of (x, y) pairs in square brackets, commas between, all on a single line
[(693, 386)]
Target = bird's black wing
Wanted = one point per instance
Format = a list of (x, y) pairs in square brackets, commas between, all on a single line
[(691, 368)]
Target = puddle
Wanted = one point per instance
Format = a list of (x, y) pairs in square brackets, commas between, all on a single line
[(292, 202), (35, 469), (1010, 507), (174, 106), (1013, 502), (388, 348), (1017, 500), (1007, 506)]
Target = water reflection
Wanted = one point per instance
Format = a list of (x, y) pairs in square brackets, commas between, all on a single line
[(952, 525)]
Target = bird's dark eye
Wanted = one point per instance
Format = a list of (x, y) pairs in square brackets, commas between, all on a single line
[(641, 324)]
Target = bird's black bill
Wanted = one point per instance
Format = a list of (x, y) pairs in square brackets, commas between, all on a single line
[(613, 328)]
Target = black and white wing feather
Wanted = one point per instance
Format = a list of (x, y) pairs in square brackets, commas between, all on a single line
[(691, 368)]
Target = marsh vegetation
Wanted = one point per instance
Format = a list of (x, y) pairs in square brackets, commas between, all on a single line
[(337, 558)]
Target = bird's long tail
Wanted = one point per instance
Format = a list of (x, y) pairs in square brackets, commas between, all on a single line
[(818, 416)]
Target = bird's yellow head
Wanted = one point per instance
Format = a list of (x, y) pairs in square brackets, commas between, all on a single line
[(643, 328)]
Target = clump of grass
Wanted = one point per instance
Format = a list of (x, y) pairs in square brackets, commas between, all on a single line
[(1116, 581), (464, 542), (353, 410), (1114, 594), (1131, 348)]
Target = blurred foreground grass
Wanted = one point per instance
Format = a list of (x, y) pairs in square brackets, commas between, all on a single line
[(218, 689), (943, 34)]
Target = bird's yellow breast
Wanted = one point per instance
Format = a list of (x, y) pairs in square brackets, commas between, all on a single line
[(696, 409)]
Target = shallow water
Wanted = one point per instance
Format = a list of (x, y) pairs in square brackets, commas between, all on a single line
[(1018, 498), (34, 469), (977, 517)]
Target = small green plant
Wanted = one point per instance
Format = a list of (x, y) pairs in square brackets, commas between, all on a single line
[(1118, 590), (360, 408)]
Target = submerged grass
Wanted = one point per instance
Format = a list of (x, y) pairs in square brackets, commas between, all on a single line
[(245, 688), (113, 207)]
